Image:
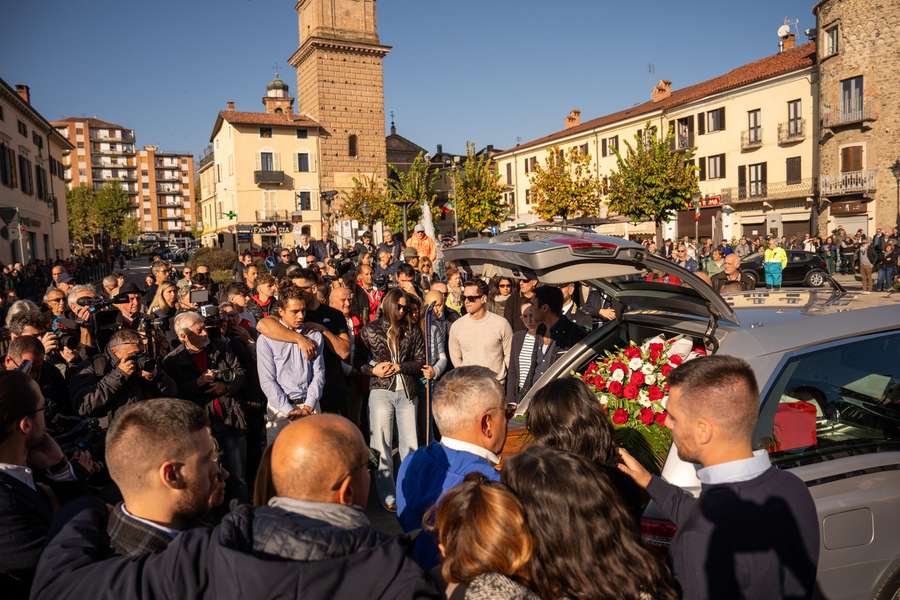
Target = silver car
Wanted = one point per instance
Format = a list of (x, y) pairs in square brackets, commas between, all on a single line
[(836, 352)]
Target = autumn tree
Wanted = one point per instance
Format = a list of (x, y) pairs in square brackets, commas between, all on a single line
[(416, 184), (113, 214), (79, 203), (478, 194), (652, 181), (565, 186), (367, 202)]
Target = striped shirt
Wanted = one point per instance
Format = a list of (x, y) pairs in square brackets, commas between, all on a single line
[(525, 358)]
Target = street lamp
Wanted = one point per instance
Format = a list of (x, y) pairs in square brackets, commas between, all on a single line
[(895, 170), (404, 204)]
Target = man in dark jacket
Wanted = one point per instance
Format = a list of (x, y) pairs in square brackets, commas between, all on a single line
[(120, 375), (26, 506), (208, 373), (753, 532), (555, 333), (312, 540)]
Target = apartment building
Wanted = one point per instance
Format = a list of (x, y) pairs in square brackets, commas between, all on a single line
[(751, 138), (260, 184), (166, 184), (33, 218), (859, 78)]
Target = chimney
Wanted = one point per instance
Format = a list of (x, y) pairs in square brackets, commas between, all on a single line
[(573, 118), (24, 92), (229, 105), (440, 149), (661, 91), (788, 42)]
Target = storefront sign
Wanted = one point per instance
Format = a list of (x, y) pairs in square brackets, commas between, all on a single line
[(710, 201), (848, 207), (272, 228)]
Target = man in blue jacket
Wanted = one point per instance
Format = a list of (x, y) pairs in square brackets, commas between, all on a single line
[(470, 412), (311, 541)]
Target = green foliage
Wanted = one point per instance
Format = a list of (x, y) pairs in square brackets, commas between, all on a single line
[(652, 182), (565, 186), (79, 202), (217, 259), (366, 202), (100, 217), (478, 194), (416, 184)]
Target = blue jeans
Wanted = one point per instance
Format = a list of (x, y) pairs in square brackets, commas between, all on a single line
[(233, 448), (384, 405), (885, 281)]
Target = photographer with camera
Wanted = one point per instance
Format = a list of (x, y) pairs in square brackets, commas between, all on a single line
[(123, 373), (203, 280), (208, 373), (385, 270), (238, 295), (130, 310), (53, 385)]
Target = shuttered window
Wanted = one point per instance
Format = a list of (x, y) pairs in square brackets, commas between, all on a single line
[(701, 123), (702, 169), (851, 159), (792, 168)]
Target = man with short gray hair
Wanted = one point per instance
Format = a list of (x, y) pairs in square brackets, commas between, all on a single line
[(470, 412)]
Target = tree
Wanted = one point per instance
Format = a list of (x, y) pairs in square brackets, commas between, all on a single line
[(366, 203), (113, 214), (652, 182), (79, 203), (565, 187), (478, 194), (416, 184)]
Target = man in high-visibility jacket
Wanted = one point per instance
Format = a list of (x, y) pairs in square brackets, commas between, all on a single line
[(774, 262)]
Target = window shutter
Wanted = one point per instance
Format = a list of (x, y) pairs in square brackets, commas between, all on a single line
[(526, 165), (764, 176), (742, 181), (722, 117), (276, 157), (722, 166), (296, 161), (615, 144), (258, 162), (701, 123), (603, 147), (702, 168)]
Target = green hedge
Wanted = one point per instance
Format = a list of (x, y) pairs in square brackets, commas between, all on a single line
[(217, 259)]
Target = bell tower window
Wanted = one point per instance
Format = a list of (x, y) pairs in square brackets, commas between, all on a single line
[(352, 149)]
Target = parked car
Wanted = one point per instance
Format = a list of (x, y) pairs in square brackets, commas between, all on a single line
[(835, 350), (804, 269)]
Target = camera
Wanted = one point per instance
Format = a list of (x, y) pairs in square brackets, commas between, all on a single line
[(223, 375), (199, 296), (67, 332), (381, 282), (143, 361)]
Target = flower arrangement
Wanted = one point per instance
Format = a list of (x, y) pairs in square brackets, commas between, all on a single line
[(631, 385)]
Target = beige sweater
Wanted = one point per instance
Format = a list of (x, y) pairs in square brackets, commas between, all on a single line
[(485, 342)]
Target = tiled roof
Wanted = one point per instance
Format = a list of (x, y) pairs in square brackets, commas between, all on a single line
[(91, 121), (799, 57), (259, 118)]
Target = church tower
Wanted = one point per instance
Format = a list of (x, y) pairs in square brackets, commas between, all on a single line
[(340, 84)]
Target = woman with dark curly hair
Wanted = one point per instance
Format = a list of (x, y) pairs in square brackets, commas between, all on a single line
[(584, 543), (565, 415)]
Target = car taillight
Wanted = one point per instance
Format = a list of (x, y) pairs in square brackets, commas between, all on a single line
[(657, 533)]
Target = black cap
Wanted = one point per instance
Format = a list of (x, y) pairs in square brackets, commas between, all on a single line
[(130, 287)]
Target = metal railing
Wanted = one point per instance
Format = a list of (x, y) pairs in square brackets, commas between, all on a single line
[(762, 191), (268, 177), (851, 182), (752, 138), (269, 214), (837, 118), (792, 131)]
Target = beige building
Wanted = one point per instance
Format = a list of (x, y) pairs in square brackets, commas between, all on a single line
[(33, 218), (750, 132), (260, 183), (859, 75), (166, 184)]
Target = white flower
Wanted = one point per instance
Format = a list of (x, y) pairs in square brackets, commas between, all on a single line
[(664, 401), (645, 402), (603, 400), (617, 375), (650, 379), (635, 363), (647, 369)]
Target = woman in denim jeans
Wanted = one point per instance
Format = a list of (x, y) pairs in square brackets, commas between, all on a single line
[(394, 362), (887, 267)]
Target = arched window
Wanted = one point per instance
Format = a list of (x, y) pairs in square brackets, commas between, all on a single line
[(278, 111), (351, 146)]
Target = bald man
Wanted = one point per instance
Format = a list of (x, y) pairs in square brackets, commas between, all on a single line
[(312, 540), (731, 278)]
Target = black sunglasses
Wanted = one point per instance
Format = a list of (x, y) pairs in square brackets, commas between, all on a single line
[(401, 307), (471, 298)]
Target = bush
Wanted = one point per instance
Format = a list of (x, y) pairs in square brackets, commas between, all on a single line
[(217, 259), (222, 277)]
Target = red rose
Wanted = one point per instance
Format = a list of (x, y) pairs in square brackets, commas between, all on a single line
[(637, 378), (620, 416), (647, 416), (655, 353), (618, 365), (598, 382), (660, 418), (666, 369), (700, 350), (655, 393), (676, 360), (630, 391), (615, 388), (592, 368), (632, 352), (666, 388), (658, 348)]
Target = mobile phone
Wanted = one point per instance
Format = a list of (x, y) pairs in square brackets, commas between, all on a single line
[(199, 296)]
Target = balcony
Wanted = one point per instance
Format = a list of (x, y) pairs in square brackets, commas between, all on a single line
[(170, 204), (176, 176), (206, 159), (97, 176), (792, 131), (126, 138), (270, 215), (761, 192), (851, 182), (842, 118), (268, 177), (751, 139), (168, 188)]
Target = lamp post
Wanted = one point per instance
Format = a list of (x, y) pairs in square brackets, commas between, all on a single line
[(895, 171), (404, 204)]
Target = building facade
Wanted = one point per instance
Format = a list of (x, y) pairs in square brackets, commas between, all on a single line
[(33, 218), (750, 133), (340, 85), (166, 192), (260, 184), (859, 140)]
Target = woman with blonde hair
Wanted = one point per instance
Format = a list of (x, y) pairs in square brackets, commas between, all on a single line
[(165, 299), (484, 540)]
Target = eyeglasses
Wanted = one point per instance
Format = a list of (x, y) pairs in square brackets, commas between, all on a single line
[(402, 307), (472, 298), (504, 285), (55, 300)]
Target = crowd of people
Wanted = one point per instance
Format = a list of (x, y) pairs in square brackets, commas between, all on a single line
[(188, 438)]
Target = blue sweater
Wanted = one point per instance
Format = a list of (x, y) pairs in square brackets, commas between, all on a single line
[(424, 476)]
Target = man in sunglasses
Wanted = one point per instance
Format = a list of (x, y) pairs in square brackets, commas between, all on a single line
[(284, 262), (481, 337), (311, 540)]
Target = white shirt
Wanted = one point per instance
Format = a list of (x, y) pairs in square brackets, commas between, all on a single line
[(19, 472), (461, 446), (744, 469)]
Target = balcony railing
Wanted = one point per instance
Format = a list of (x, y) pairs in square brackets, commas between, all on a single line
[(168, 177), (761, 191), (168, 188), (207, 158), (839, 118), (268, 177), (752, 138), (127, 138), (272, 215), (792, 131), (851, 182)]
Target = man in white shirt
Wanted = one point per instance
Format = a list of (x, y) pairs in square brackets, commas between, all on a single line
[(480, 338)]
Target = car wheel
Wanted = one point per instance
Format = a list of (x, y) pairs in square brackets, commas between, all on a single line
[(890, 588), (752, 277), (815, 279)]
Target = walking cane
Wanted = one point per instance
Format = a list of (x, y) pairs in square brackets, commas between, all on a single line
[(429, 312)]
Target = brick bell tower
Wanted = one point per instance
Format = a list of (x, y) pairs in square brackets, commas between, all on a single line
[(340, 84)]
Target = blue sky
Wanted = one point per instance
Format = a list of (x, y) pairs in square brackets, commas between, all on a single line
[(490, 71)]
